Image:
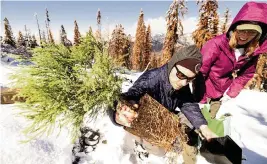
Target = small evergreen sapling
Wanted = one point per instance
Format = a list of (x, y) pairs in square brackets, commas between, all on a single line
[(64, 84)]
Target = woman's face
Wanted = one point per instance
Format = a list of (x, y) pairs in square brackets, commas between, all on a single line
[(245, 36)]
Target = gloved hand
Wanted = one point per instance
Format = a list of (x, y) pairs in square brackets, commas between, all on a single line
[(125, 115), (225, 98), (206, 133)]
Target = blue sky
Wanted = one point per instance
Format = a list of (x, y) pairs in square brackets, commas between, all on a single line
[(126, 13)]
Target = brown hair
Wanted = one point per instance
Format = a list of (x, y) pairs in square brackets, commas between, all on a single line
[(250, 48)]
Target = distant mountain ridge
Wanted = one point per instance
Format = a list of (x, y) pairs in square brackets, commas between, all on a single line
[(158, 41)]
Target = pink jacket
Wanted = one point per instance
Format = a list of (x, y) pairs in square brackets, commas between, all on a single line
[(219, 59)]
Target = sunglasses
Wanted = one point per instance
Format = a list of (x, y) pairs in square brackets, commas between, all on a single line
[(250, 32), (182, 76)]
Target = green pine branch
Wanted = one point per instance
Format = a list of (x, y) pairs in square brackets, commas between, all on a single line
[(65, 84)]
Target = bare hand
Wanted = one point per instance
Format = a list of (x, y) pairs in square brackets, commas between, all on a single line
[(207, 133), (125, 115)]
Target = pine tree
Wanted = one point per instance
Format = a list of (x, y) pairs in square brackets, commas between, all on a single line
[(34, 42), (81, 50), (226, 19), (65, 84), (8, 37), (30, 43), (98, 35), (63, 37), (119, 46), (47, 17), (98, 18), (21, 41), (160, 59), (77, 34), (27, 36), (147, 48), (176, 11), (259, 80), (131, 46), (138, 48), (43, 40), (38, 26), (51, 38), (208, 23), (113, 44), (47, 24), (214, 23), (90, 30), (153, 60)]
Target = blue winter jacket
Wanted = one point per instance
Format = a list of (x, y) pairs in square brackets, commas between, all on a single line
[(156, 83)]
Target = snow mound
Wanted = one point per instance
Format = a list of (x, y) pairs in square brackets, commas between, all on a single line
[(45, 150), (248, 124)]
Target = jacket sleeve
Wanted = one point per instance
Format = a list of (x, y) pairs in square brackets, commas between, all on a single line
[(209, 53), (193, 113), (139, 88), (240, 81), (191, 109)]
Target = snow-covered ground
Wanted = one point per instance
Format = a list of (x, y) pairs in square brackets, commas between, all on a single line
[(248, 129), (45, 150), (248, 125)]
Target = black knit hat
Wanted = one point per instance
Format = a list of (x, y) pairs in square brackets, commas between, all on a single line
[(191, 64), (188, 57)]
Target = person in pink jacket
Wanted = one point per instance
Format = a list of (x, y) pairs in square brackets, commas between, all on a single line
[(230, 59)]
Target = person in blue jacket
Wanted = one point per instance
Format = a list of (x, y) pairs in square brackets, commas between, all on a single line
[(169, 85)]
